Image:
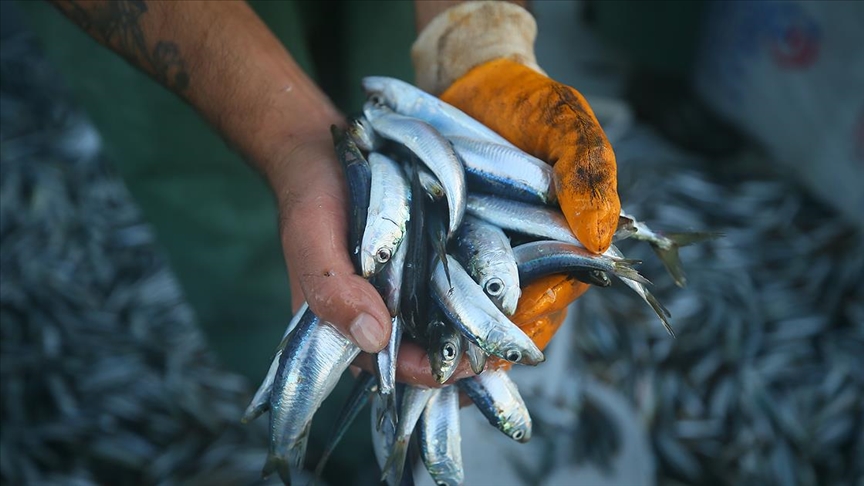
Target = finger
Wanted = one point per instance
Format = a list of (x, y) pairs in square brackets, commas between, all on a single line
[(413, 367), (314, 232)]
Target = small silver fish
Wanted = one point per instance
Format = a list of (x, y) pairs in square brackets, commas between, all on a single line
[(431, 148), (499, 400), (661, 311), (445, 346), (540, 258), (476, 357), (389, 281), (431, 185), (440, 438), (466, 305), (505, 171), (484, 251), (387, 220), (261, 401), (386, 362), (383, 438), (414, 400), (409, 100), (363, 134), (311, 364), (529, 219)]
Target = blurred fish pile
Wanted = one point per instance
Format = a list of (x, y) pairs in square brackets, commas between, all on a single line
[(106, 378), (435, 199)]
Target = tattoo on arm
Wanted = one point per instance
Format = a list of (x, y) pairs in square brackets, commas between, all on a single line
[(117, 24)]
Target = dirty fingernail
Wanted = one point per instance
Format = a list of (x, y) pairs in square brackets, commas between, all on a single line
[(367, 333)]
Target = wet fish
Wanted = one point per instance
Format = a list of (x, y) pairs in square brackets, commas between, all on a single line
[(661, 311), (444, 346), (530, 219), (666, 245), (431, 148), (476, 356), (388, 214), (310, 366), (364, 386), (505, 171), (389, 280), (479, 319), (440, 438), (358, 175), (431, 185), (499, 400), (383, 438), (593, 277), (363, 134), (540, 258), (413, 401), (415, 282), (409, 100), (261, 400), (436, 228), (386, 363), (484, 251)]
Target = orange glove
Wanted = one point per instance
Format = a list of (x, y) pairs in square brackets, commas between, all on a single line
[(479, 57)]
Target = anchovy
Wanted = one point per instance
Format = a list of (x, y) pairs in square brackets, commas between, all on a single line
[(666, 245), (593, 277), (386, 362), (540, 258), (409, 100), (415, 282), (479, 319), (364, 386), (310, 366), (661, 311), (444, 346), (530, 219), (484, 251), (363, 134), (476, 357), (383, 438), (431, 185), (388, 214), (437, 230), (431, 148), (389, 280), (414, 400), (499, 400), (505, 171), (358, 176), (440, 438), (261, 401)]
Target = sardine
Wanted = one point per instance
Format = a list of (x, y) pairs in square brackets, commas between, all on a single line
[(444, 345), (440, 438), (383, 438), (499, 400), (364, 386), (431, 185), (479, 319), (310, 366), (388, 214), (363, 134), (386, 362), (415, 281), (409, 100), (661, 311), (484, 251), (593, 277), (436, 228), (414, 400), (530, 219), (389, 280), (261, 401), (666, 245), (505, 171), (431, 148), (358, 176), (476, 356), (540, 258)]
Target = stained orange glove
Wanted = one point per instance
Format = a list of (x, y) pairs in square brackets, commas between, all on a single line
[(479, 57)]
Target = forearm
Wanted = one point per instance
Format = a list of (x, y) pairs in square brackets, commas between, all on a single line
[(220, 58), (426, 10)]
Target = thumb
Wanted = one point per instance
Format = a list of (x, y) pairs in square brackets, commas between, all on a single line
[(313, 230)]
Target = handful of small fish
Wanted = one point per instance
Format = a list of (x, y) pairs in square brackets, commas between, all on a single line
[(449, 221)]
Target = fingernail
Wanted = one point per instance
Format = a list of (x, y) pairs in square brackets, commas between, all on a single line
[(367, 333)]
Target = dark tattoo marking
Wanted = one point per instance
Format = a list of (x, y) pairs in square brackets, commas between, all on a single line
[(116, 23)]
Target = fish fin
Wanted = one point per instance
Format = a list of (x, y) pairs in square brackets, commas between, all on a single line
[(623, 270), (277, 464), (396, 460), (626, 228), (662, 312), (388, 411), (254, 410), (668, 253)]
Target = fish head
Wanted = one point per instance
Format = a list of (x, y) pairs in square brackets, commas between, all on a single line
[(511, 344), (504, 291), (374, 259), (518, 427), (381, 240), (445, 358)]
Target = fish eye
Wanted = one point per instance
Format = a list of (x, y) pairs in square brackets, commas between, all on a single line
[(513, 355), (518, 434), (376, 99), (383, 255), (494, 286), (448, 351)]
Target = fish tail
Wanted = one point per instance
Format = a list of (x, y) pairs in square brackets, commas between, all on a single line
[(622, 269), (253, 411), (388, 410), (668, 252), (662, 312), (278, 464), (396, 461)]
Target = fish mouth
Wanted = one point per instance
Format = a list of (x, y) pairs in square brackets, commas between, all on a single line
[(368, 265), (511, 300)]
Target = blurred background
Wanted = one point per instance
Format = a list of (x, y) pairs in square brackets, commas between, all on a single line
[(137, 320)]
